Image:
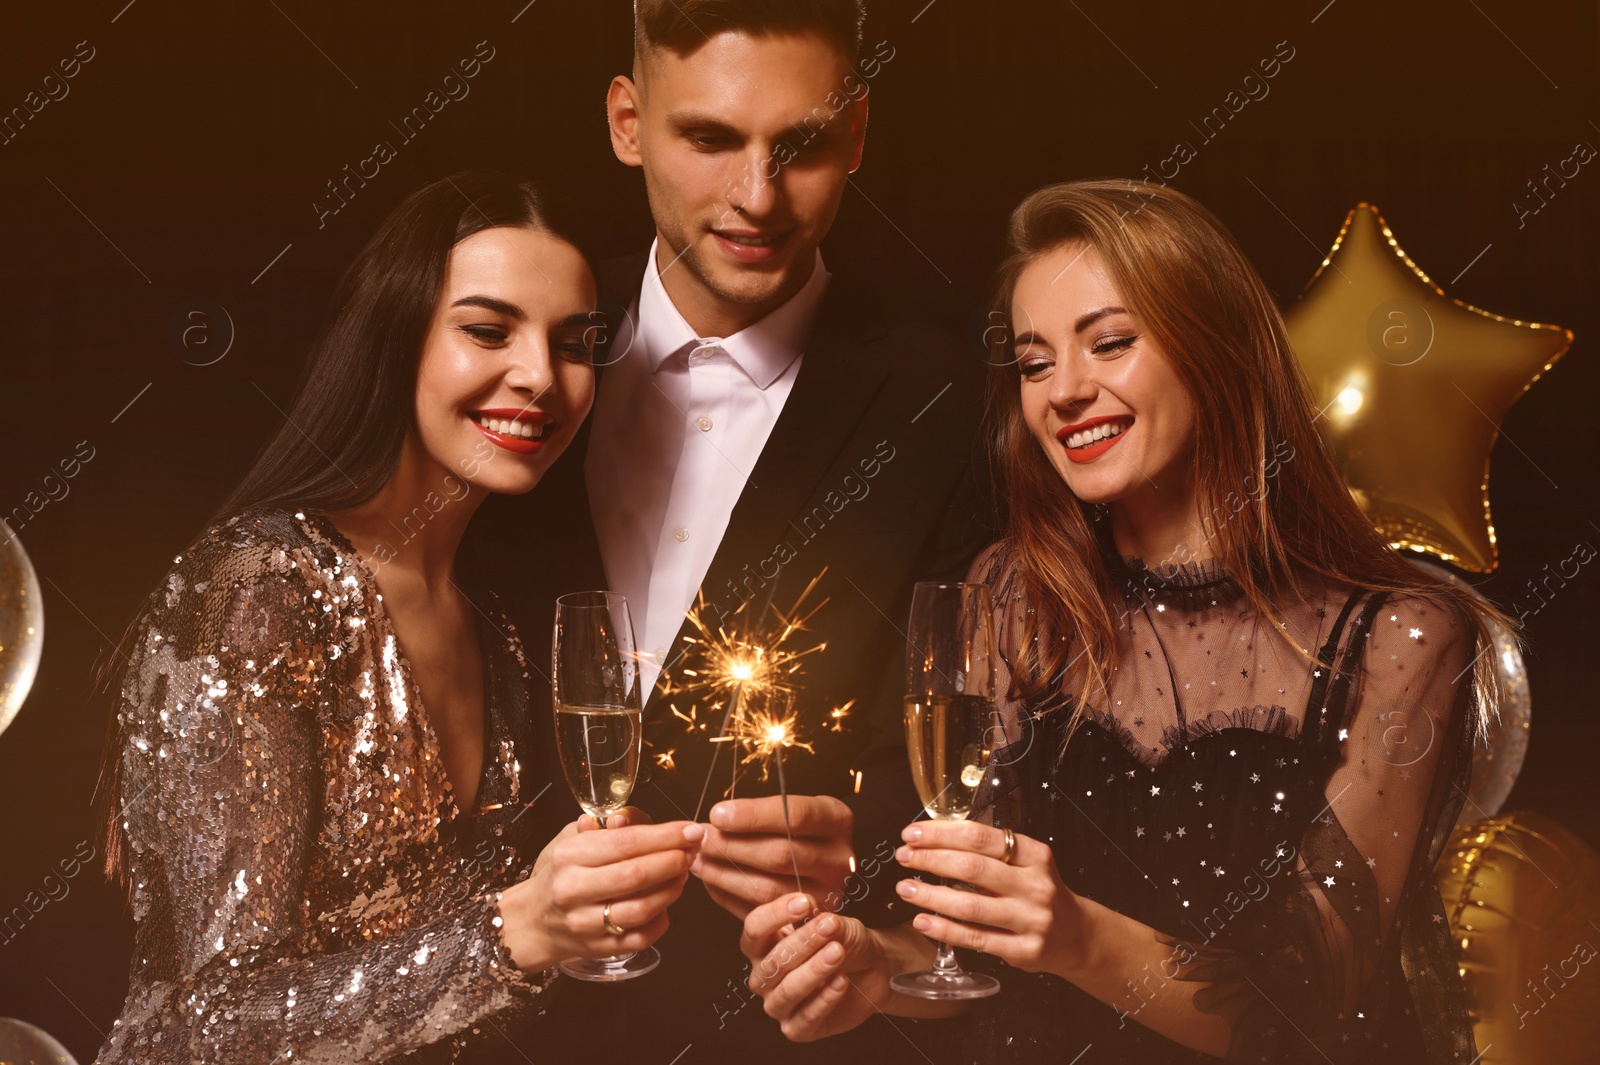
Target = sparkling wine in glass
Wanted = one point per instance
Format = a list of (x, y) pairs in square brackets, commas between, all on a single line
[(949, 716), (599, 730)]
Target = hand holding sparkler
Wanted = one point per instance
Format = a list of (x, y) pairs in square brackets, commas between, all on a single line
[(820, 977), (746, 861), (749, 672)]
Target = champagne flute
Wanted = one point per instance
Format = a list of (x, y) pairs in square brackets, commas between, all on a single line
[(599, 730), (949, 714)]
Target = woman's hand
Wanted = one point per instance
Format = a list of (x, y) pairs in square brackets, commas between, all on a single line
[(1021, 913), (559, 912)]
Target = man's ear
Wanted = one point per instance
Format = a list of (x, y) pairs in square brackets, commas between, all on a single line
[(622, 114), (858, 132)]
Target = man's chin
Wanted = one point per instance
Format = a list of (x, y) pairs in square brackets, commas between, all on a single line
[(746, 284)]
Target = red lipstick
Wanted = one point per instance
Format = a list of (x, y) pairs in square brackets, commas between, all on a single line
[(521, 445), (1090, 452)]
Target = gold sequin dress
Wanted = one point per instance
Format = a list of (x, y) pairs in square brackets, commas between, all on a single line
[(304, 885)]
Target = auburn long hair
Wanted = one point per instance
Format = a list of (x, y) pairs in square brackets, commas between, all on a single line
[(1257, 457)]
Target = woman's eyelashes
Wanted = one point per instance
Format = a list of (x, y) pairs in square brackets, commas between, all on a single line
[(1031, 364), (1113, 345), (572, 346), (578, 348), (487, 335)]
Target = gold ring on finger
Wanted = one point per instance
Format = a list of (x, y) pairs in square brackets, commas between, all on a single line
[(611, 926), (1011, 846)]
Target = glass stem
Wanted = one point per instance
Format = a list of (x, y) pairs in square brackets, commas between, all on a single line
[(944, 960), (944, 955)]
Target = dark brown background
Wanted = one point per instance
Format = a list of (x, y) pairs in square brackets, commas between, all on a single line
[(191, 148)]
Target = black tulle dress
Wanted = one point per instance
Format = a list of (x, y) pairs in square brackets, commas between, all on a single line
[(1274, 822)]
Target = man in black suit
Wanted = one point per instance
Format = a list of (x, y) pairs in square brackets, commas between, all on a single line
[(759, 422)]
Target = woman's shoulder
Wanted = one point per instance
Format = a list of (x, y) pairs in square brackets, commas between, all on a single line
[(993, 564), (257, 546), (1418, 649), (1432, 618)]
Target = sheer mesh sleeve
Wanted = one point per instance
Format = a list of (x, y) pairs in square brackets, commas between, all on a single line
[(1316, 966), (221, 801), (1001, 800)]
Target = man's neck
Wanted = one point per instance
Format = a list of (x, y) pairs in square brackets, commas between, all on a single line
[(709, 314)]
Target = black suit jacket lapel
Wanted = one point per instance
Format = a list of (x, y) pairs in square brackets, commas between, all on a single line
[(835, 386)]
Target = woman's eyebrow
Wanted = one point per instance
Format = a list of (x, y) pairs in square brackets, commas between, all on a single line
[(1094, 316), (490, 303)]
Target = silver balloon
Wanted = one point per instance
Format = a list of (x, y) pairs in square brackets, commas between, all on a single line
[(1496, 763), (23, 1044), (21, 625)]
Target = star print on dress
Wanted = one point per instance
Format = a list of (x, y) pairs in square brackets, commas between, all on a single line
[(1190, 679)]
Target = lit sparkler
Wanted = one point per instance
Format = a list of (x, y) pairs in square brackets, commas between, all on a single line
[(765, 729), (742, 670)]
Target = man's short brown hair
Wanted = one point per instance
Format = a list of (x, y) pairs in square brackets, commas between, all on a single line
[(684, 25)]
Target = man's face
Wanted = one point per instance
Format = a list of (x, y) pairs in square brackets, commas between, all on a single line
[(746, 143)]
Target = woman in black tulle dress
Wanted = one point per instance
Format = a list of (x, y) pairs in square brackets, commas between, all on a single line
[(1237, 725)]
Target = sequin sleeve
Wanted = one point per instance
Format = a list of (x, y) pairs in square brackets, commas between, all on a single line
[(1357, 885), (221, 801)]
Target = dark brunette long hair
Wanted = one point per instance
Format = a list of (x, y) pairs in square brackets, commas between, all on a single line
[(341, 439), (1202, 302)]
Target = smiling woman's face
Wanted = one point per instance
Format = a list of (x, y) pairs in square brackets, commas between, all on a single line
[(1100, 397), (507, 369)]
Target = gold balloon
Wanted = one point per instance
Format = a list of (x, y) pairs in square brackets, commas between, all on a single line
[(21, 625), (1522, 894), (1412, 387), (1496, 763)]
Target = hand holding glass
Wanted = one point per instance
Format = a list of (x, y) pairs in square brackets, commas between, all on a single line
[(949, 711), (599, 730)]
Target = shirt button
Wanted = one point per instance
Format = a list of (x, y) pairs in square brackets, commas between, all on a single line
[(681, 535), (704, 423)]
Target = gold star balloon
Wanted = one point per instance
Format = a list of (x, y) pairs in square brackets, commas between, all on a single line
[(1411, 387)]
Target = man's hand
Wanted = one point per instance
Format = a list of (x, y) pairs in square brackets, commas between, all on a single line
[(832, 973), (818, 980), (744, 860)]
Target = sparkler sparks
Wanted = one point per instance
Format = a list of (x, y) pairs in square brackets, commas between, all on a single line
[(751, 673), (727, 661), (765, 728)]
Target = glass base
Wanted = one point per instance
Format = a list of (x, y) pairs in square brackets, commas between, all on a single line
[(945, 984), (611, 970)]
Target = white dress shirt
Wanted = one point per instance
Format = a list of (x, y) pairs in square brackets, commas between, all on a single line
[(679, 422)]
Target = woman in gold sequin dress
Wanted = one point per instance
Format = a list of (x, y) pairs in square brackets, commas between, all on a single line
[(325, 789), (1237, 725)]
